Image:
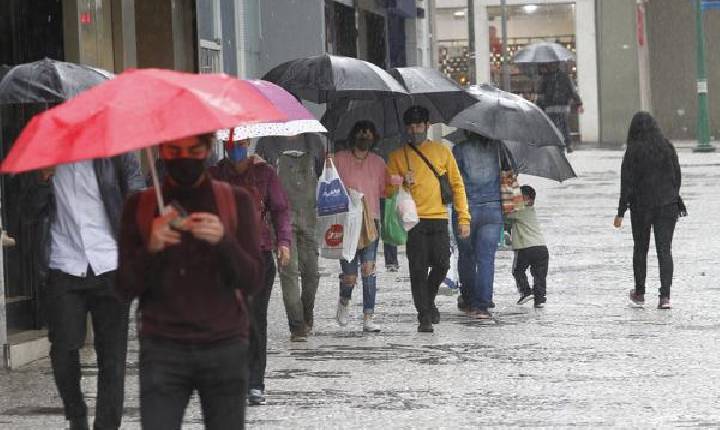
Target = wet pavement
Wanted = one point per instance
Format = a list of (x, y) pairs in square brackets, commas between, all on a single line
[(587, 360)]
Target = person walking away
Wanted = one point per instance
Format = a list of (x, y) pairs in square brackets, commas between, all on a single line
[(530, 251), (650, 182), (299, 161), (428, 244), (365, 172), (83, 203), (479, 161), (261, 181), (193, 269), (556, 97)]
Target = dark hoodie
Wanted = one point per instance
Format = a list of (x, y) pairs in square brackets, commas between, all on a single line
[(650, 174)]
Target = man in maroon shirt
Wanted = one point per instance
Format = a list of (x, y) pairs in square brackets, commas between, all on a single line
[(257, 177), (192, 275)]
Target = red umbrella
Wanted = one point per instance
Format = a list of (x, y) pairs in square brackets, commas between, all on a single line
[(137, 109)]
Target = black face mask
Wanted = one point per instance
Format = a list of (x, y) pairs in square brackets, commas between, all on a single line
[(185, 171)]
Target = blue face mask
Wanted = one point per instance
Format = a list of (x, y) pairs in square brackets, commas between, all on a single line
[(238, 153)]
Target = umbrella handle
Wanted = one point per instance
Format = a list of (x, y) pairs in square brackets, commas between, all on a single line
[(155, 180)]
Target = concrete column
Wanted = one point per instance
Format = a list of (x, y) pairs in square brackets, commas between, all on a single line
[(123, 31), (164, 34), (587, 72)]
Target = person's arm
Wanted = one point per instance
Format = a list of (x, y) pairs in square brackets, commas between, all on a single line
[(393, 169), (134, 259), (676, 168), (626, 185), (279, 211), (241, 251), (459, 199), (131, 172)]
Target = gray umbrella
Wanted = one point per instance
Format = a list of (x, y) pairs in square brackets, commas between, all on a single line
[(48, 81), (324, 78), (543, 52), (543, 161), (441, 96), (505, 116)]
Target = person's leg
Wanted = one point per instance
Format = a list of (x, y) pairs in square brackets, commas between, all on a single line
[(418, 256), (564, 120), (439, 244), (291, 289), (488, 229), (664, 227), (222, 384), (539, 271), (641, 242), (67, 316), (110, 324), (520, 265), (308, 254), (347, 279), (389, 251), (466, 264), (166, 383), (258, 330), (368, 257)]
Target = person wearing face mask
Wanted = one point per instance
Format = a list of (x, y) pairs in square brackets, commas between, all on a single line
[(365, 172), (256, 176), (193, 266), (421, 162)]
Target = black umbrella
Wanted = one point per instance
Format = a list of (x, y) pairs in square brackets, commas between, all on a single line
[(543, 161), (324, 78), (505, 116), (48, 81), (543, 52)]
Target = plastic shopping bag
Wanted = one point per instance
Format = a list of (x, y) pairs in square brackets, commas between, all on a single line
[(330, 233), (332, 197), (353, 225), (392, 232), (407, 210)]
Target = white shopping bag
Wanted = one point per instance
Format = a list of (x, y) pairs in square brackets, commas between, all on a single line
[(338, 234), (353, 225), (407, 210)]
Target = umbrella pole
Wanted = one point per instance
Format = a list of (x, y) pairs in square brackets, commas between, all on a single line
[(155, 180)]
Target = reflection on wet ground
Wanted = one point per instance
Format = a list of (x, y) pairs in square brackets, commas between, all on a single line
[(588, 360)]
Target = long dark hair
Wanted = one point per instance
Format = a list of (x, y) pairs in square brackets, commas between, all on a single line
[(646, 143)]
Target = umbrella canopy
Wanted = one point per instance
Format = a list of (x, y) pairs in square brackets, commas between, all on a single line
[(299, 119), (542, 161), (505, 116), (386, 114), (543, 52), (427, 87), (48, 81), (324, 78), (138, 109)]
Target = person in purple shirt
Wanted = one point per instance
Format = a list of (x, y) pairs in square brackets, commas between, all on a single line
[(260, 179)]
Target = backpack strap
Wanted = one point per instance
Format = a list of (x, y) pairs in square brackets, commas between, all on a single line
[(226, 205), (145, 213)]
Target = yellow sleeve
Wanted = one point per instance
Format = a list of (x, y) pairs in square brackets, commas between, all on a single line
[(393, 168), (458, 187)]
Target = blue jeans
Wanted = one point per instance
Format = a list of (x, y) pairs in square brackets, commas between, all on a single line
[(365, 257), (476, 262)]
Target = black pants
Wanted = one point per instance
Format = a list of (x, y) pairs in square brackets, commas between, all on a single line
[(69, 300), (561, 121), (171, 371), (537, 259), (257, 353), (428, 247), (662, 220)]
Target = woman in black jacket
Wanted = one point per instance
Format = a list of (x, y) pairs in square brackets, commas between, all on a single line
[(650, 187)]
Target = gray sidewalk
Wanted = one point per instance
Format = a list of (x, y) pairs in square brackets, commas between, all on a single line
[(588, 360)]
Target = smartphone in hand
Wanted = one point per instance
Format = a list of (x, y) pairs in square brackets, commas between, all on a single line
[(181, 220)]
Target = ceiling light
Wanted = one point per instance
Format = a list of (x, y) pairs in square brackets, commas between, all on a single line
[(530, 8)]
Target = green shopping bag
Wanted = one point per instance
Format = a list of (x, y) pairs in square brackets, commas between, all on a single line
[(393, 232)]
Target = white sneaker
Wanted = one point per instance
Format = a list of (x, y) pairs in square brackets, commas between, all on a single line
[(369, 324), (343, 312)]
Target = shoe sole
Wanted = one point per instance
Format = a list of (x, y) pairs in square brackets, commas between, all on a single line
[(525, 300), (377, 330), (256, 403)]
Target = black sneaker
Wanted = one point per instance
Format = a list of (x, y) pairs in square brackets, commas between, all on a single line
[(462, 304), (425, 327), (540, 302), (637, 299), (664, 303), (256, 397), (525, 297), (435, 315)]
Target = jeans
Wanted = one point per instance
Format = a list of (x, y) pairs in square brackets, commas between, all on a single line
[(70, 299), (476, 262), (300, 299), (427, 247), (662, 220), (537, 259), (366, 258), (390, 251), (257, 352), (171, 371)]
